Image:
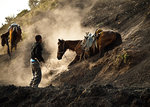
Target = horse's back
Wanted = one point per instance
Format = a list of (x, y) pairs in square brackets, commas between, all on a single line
[(106, 37), (109, 37), (108, 34)]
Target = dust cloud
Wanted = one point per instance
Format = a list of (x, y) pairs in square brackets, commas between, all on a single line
[(57, 24)]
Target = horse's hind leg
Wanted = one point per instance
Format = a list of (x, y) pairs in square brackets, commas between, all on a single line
[(86, 54), (75, 60), (101, 51), (15, 46), (8, 51)]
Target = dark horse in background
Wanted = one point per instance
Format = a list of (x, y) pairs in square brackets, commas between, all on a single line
[(11, 38), (107, 38)]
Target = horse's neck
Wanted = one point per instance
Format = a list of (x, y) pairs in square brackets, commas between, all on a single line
[(7, 34), (71, 45)]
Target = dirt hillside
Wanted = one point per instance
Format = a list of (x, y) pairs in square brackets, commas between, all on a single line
[(125, 65)]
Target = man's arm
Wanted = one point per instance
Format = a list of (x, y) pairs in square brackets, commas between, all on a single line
[(39, 53)]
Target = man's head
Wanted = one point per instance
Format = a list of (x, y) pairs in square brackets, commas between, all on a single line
[(38, 38)]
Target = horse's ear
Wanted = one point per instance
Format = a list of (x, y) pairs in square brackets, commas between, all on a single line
[(87, 33), (85, 37), (59, 40)]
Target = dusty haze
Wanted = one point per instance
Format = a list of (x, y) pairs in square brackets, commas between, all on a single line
[(57, 24)]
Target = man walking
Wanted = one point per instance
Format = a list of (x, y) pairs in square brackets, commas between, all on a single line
[(36, 59)]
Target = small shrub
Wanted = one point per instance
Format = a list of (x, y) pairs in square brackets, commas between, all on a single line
[(9, 19), (38, 12), (22, 13), (122, 58)]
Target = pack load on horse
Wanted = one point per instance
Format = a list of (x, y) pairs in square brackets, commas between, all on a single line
[(89, 39), (91, 45), (11, 37)]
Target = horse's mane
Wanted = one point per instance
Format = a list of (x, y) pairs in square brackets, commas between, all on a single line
[(72, 40), (71, 44), (5, 35)]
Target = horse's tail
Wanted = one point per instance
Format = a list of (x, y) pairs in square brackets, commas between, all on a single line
[(118, 39)]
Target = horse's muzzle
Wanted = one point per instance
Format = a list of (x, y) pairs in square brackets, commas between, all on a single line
[(59, 58), (2, 44)]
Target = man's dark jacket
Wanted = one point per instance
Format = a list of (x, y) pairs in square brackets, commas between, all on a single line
[(36, 51)]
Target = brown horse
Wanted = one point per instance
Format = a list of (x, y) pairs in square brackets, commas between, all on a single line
[(4, 41), (11, 38), (71, 45), (105, 39)]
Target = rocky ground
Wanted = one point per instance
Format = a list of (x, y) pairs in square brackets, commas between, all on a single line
[(74, 96)]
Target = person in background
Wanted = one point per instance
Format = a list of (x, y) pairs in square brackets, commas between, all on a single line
[(36, 59)]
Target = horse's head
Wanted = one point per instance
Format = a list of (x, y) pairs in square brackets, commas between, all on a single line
[(61, 49), (4, 39)]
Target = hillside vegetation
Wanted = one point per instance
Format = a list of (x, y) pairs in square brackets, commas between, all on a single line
[(26, 17)]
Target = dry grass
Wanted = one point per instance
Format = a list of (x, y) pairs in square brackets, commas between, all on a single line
[(25, 17)]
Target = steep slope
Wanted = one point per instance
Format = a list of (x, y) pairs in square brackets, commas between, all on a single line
[(126, 65)]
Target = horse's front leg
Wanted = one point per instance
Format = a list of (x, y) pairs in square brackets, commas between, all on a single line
[(81, 56), (75, 60), (8, 48)]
